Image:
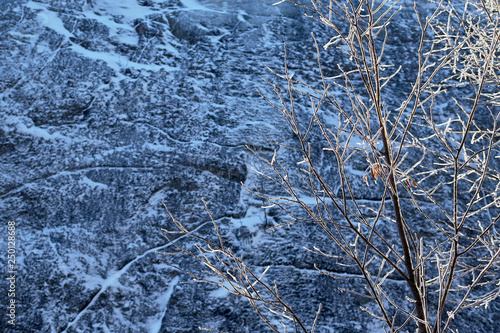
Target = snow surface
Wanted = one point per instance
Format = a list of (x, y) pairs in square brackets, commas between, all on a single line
[(24, 125), (127, 10), (49, 19), (163, 304), (102, 11), (194, 5), (93, 184), (113, 280)]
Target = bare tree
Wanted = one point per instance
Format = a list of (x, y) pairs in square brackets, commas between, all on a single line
[(422, 152)]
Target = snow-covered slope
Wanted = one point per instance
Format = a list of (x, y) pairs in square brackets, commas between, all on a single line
[(109, 108)]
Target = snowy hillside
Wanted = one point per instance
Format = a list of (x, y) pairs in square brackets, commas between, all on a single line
[(108, 109)]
